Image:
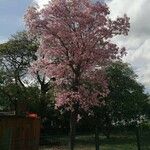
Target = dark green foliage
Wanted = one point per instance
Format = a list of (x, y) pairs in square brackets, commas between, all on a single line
[(126, 100), (16, 56)]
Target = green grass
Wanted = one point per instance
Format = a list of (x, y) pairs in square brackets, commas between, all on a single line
[(121, 141)]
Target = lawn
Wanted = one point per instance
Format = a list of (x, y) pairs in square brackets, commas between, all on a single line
[(121, 141)]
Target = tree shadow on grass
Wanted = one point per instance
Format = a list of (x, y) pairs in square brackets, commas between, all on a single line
[(114, 140), (124, 141)]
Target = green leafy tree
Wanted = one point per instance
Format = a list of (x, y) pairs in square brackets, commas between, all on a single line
[(125, 104), (127, 99), (16, 56)]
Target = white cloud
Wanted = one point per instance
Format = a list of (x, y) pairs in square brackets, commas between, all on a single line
[(2, 39), (41, 3), (138, 41)]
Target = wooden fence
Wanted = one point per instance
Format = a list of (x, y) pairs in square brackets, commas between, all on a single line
[(19, 133)]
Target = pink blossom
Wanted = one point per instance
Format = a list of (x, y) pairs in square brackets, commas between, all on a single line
[(75, 39)]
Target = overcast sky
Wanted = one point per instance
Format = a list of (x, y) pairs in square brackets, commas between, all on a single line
[(137, 43)]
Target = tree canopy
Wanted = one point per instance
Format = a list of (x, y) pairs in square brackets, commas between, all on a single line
[(75, 39)]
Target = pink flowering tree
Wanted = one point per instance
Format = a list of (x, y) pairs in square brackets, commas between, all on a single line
[(75, 47)]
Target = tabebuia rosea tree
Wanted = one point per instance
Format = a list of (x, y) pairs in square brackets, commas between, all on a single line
[(75, 47)]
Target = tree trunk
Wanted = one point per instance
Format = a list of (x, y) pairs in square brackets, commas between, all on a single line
[(44, 87), (96, 138), (107, 131), (16, 108), (138, 138), (72, 130), (43, 105)]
